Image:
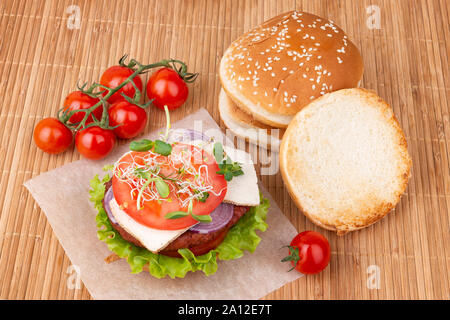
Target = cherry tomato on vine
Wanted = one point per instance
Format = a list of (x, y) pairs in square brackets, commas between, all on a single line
[(130, 118), (166, 87), (309, 252), (95, 142), (78, 100), (114, 76), (52, 136)]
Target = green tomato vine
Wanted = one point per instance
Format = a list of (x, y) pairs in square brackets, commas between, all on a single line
[(103, 93)]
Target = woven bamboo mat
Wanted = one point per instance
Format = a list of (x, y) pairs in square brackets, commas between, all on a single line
[(405, 256)]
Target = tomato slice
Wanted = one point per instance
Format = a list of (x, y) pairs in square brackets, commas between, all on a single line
[(152, 212)]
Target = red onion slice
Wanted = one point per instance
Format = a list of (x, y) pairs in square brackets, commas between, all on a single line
[(109, 195), (187, 135), (220, 217)]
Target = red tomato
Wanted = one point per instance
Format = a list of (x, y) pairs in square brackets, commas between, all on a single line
[(114, 76), (52, 136), (309, 252), (95, 142), (166, 87), (130, 118), (78, 100), (152, 213)]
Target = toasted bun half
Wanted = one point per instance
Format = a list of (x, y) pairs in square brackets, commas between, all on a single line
[(277, 68), (246, 127), (344, 160)]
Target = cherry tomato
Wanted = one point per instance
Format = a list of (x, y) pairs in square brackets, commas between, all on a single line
[(130, 118), (152, 213), (114, 76), (52, 136), (309, 252), (95, 142), (78, 100), (166, 87)]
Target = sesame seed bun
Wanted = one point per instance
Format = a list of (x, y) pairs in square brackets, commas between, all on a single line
[(274, 70), (246, 127), (344, 160)]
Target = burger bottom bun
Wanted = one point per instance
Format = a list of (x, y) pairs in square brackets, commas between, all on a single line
[(246, 127), (257, 112)]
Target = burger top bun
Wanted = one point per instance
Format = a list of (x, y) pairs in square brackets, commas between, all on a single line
[(277, 68), (344, 160)]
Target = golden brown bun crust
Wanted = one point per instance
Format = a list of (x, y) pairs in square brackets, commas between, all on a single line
[(246, 127), (372, 208), (289, 60), (237, 114)]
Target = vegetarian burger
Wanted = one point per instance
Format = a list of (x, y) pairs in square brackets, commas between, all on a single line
[(174, 207)]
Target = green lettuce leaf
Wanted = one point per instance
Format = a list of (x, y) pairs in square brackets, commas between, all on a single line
[(240, 237)]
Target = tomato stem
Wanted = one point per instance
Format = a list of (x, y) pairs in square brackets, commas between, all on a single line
[(294, 256)]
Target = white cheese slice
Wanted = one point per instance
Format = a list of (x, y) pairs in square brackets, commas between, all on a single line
[(241, 190), (153, 239)]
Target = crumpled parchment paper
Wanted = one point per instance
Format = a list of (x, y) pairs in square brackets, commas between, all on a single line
[(63, 195)]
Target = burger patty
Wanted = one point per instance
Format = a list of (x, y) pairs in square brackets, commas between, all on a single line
[(189, 239)]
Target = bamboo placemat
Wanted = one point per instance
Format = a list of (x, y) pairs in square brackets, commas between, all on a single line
[(406, 62)]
